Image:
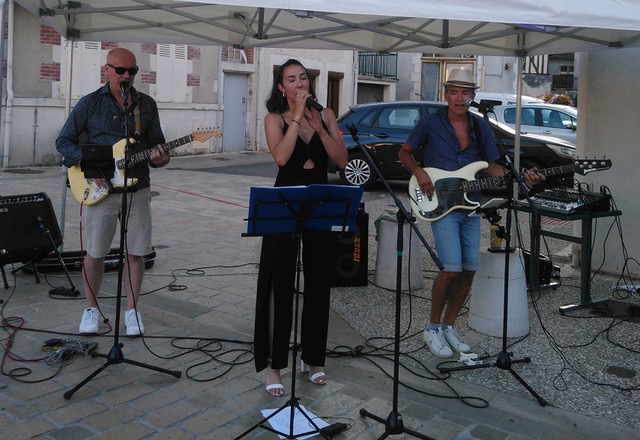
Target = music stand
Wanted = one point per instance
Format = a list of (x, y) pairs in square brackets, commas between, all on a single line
[(300, 210), (97, 161), (95, 165)]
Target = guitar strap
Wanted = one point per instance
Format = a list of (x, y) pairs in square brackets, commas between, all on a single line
[(136, 112), (479, 140)]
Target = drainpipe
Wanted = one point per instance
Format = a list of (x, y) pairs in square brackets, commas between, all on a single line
[(355, 71), (219, 115), (257, 95), (9, 105), (3, 18)]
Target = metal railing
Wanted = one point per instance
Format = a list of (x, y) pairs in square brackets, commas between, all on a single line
[(378, 65)]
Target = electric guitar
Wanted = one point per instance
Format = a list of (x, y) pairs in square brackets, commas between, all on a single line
[(451, 187), (87, 192)]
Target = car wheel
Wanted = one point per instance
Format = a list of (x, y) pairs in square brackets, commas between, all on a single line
[(358, 172)]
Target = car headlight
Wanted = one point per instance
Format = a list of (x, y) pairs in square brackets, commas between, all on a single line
[(563, 150)]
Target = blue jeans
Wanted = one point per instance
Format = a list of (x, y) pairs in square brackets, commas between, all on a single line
[(457, 240)]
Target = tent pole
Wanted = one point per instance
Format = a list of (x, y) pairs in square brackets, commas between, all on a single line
[(516, 145), (67, 111)]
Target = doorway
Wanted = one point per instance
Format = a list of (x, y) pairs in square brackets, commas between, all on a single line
[(234, 127)]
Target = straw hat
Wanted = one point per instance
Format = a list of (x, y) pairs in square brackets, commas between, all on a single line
[(461, 78)]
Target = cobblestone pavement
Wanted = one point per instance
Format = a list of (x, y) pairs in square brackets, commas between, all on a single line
[(198, 308)]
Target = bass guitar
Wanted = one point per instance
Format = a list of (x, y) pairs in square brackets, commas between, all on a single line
[(451, 187), (86, 191)]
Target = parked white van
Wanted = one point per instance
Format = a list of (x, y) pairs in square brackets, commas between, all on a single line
[(491, 99)]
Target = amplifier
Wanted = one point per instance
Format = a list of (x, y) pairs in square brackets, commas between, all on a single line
[(29, 229), (546, 270)]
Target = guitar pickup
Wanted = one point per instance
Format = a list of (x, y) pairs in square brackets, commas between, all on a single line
[(419, 195)]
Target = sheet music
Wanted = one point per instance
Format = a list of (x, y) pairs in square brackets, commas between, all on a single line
[(281, 421)]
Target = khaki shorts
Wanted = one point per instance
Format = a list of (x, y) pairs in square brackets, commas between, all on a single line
[(101, 221)]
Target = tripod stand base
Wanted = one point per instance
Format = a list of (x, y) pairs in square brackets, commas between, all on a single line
[(295, 409), (115, 356), (504, 362), (393, 424)]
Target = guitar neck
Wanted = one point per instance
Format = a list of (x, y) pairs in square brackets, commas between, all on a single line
[(494, 182), (146, 154)]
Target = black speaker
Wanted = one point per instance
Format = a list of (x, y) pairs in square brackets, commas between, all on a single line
[(546, 270), (351, 254), (29, 229)]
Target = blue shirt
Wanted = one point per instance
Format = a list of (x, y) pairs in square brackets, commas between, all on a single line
[(437, 137), (99, 119)]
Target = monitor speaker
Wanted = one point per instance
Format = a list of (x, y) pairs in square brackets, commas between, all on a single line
[(29, 229), (351, 254)]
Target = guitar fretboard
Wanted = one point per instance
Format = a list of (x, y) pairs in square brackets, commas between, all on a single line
[(493, 182), (146, 154)]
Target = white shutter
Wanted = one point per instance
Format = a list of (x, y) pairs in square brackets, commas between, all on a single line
[(164, 76), (171, 73), (180, 73), (86, 71)]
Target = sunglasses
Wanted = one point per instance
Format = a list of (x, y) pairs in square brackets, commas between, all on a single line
[(120, 70)]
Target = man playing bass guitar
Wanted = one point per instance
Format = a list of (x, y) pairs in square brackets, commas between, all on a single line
[(102, 117), (451, 139)]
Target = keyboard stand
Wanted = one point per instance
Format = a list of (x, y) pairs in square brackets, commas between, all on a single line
[(586, 220)]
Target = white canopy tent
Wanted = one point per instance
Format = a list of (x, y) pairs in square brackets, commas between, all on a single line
[(491, 27)]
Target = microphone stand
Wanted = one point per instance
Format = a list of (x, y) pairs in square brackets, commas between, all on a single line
[(72, 291), (394, 424), (504, 361), (115, 355)]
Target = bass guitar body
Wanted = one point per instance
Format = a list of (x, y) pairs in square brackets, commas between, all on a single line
[(448, 194)]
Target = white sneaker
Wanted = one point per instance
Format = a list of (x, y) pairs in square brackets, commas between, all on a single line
[(133, 323), (454, 341), (437, 343), (89, 322)]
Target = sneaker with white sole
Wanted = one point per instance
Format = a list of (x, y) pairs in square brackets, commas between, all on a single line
[(454, 341), (89, 322), (133, 323), (437, 343)]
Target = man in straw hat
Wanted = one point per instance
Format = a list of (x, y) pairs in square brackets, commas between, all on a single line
[(451, 139)]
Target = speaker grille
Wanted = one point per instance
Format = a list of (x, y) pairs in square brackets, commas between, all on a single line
[(351, 254), (26, 221)]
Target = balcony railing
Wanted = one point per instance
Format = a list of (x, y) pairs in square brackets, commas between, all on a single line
[(378, 65)]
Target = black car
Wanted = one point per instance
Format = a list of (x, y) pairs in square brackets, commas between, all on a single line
[(383, 127)]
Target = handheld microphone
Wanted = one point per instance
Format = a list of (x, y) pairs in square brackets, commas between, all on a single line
[(471, 103), (312, 103)]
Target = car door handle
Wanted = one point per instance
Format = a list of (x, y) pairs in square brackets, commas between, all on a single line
[(382, 135)]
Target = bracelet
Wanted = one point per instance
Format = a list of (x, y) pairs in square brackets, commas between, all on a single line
[(324, 138), (297, 122)]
